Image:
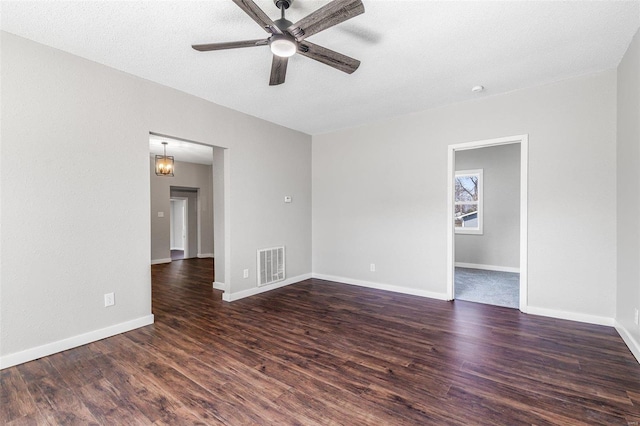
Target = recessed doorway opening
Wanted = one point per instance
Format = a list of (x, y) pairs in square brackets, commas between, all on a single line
[(487, 222), (189, 210)]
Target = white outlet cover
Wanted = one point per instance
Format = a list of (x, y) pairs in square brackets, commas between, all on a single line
[(160, 214), (109, 300), (287, 198)]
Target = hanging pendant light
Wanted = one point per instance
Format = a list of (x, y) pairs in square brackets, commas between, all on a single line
[(164, 163)]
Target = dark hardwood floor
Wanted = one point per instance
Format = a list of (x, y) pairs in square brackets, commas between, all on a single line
[(325, 353)]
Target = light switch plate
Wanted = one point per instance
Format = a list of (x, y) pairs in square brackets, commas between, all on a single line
[(160, 214), (287, 198)]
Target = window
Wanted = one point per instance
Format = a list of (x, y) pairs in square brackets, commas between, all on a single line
[(467, 209)]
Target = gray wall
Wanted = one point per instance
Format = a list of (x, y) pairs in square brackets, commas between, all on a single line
[(220, 178), (499, 244), (628, 279), (85, 116), (380, 194), (186, 175)]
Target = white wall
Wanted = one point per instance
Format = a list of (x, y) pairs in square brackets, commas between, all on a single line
[(220, 212), (64, 111), (188, 175), (380, 194), (499, 244), (191, 222), (176, 225), (628, 285)]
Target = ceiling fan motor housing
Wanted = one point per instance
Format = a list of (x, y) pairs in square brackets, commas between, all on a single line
[(283, 24)]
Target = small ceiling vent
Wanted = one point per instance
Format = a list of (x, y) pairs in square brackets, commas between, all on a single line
[(270, 265)]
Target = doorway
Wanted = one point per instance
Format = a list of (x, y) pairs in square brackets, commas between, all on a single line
[(179, 224), (483, 228), (201, 175)]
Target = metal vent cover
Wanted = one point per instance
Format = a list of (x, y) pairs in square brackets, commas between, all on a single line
[(271, 265)]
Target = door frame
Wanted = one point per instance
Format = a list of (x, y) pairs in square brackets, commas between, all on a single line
[(523, 140)]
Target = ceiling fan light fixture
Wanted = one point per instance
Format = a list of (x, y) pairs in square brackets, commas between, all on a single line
[(283, 46)]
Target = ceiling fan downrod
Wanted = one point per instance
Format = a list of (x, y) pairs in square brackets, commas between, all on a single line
[(283, 4), (282, 23)]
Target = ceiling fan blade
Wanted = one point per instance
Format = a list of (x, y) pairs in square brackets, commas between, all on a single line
[(327, 16), (255, 13), (329, 57), (229, 45), (278, 70)]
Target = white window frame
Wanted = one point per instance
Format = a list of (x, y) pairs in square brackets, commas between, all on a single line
[(479, 229)]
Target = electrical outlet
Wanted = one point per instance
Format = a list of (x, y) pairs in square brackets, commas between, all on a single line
[(109, 300), (372, 267), (245, 273), (635, 317)]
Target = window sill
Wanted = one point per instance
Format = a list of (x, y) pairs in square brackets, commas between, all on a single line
[(469, 231)]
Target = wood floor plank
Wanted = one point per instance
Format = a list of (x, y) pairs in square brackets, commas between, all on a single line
[(15, 400), (35, 419), (110, 405), (59, 404), (148, 399), (325, 353), (590, 396), (196, 399), (569, 410)]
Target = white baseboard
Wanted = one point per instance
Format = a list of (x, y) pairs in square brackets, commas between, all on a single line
[(204, 255), (218, 286), (257, 290), (157, 261), (572, 316), (72, 342), (487, 267), (632, 343), (380, 286)]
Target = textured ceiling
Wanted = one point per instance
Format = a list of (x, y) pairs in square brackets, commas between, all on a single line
[(181, 150), (415, 54)]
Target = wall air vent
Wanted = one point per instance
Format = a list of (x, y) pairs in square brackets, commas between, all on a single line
[(270, 265)]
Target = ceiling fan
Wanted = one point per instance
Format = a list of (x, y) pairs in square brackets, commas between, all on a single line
[(287, 38)]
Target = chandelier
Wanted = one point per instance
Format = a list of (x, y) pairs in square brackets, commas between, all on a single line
[(164, 163)]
